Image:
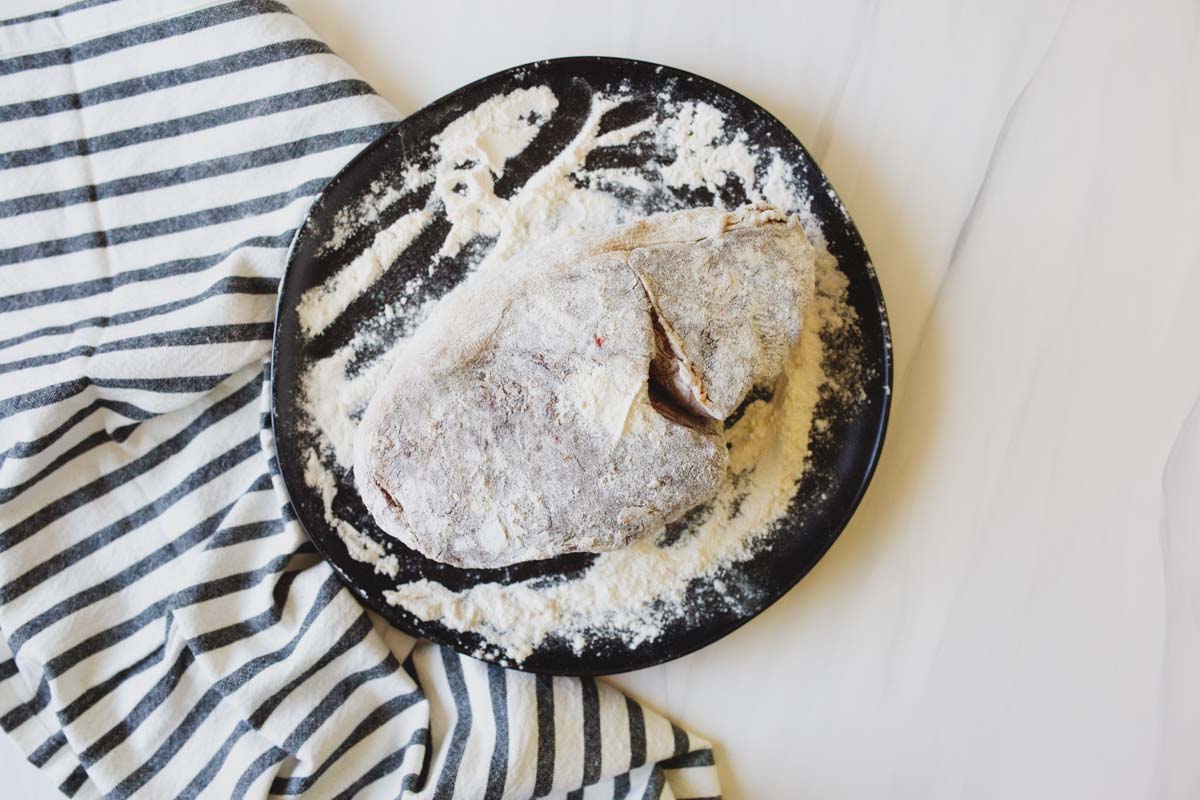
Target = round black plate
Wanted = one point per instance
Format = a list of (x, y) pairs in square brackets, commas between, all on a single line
[(843, 457)]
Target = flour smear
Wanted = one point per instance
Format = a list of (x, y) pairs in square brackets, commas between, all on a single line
[(629, 594)]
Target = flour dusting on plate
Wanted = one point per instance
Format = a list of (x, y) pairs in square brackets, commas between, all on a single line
[(671, 155)]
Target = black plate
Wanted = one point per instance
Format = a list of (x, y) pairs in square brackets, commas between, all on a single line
[(843, 457)]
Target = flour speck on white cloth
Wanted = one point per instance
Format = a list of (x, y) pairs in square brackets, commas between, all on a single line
[(166, 630)]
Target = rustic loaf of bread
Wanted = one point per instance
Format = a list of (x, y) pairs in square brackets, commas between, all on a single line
[(572, 399)]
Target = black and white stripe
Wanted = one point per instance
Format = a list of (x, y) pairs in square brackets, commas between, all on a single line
[(167, 630)]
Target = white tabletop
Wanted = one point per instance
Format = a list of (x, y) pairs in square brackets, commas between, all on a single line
[(1015, 609)]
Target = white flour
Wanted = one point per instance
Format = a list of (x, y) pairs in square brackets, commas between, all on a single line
[(550, 202), (383, 195), (629, 593), (695, 133), (361, 547), (333, 400), (323, 304)]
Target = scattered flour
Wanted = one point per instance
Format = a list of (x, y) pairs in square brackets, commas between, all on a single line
[(777, 186), (383, 194), (361, 547), (630, 593), (701, 160), (472, 153), (336, 411), (323, 304)]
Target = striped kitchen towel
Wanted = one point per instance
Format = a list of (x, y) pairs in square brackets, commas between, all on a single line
[(167, 629)]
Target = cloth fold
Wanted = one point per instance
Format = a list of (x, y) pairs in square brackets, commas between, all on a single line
[(168, 631)]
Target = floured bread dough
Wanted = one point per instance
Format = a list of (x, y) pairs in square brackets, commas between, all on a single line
[(572, 400)]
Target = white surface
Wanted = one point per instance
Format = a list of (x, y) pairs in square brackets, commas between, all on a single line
[(1015, 610)]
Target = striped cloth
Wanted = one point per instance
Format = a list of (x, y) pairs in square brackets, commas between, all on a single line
[(167, 629)]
